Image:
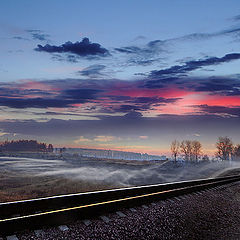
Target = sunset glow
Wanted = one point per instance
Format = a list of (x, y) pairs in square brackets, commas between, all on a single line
[(129, 83)]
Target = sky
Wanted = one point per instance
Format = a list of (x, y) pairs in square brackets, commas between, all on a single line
[(124, 75)]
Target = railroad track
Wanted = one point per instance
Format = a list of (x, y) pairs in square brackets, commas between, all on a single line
[(58, 210)]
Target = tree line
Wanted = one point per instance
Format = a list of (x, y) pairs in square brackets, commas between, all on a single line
[(193, 151), (25, 145)]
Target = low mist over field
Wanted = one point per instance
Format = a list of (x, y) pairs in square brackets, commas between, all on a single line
[(22, 178)]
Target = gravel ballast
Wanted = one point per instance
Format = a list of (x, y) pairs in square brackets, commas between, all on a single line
[(212, 214)]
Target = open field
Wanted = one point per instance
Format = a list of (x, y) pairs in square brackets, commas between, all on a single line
[(17, 187), (25, 178)]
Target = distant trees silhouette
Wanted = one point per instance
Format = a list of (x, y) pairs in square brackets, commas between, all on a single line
[(226, 149), (25, 146), (191, 150)]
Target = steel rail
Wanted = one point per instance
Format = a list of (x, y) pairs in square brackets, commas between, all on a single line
[(88, 205), (26, 207)]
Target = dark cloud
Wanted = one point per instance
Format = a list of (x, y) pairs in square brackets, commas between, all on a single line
[(136, 103), (129, 108), (92, 71), (51, 113), (153, 100), (220, 85), (232, 92), (119, 98), (19, 98), (69, 58), (81, 49), (143, 55), (236, 18), (110, 96), (214, 87), (234, 111), (15, 92), (155, 43), (142, 62), (133, 115), (160, 82), (35, 34), (154, 84), (150, 100), (38, 35), (130, 50), (149, 53), (42, 102), (230, 31), (69, 91), (139, 38), (159, 44), (227, 86), (204, 36), (81, 94), (21, 38), (102, 92), (194, 65), (34, 102)]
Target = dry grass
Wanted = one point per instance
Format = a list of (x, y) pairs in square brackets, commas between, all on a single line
[(18, 187)]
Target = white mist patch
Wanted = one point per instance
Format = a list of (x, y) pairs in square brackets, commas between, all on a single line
[(139, 176), (231, 166), (27, 165), (114, 173), (119, 176)]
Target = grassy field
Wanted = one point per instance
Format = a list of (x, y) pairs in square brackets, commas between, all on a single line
[(18, 187), (26, 178)]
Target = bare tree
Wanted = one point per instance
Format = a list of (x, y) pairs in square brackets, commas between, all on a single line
[(175, 149), (191, 149), (236, 152), (224, 148), (183, 148), (196, 149), (186, 149)]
